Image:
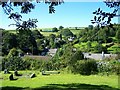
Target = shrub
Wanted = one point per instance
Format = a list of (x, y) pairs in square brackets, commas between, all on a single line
[(54, 29), (66, 32), (112, 66), (103, 66), (109, 40), (78, 55), (99, 48), (13, 63), (85, 67), (33, 64), (13, 52)]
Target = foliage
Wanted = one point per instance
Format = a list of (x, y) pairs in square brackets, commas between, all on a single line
[(34, 64), (26, 25), (9, 41), (13, 63), (66, 32), (104, 18), (118, 35), (13, 52), (108, 67), (27, 42), (85, 67), (52, 40), (67, 53), (26, 7), (90, 27), (78, 55), (103, 66), (40, 45), (54, 29), (89, 46), (99, 48), (66, 57), (61, 27), (37, 34)]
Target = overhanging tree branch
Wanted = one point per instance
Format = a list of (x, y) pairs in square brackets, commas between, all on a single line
[(102, 18)]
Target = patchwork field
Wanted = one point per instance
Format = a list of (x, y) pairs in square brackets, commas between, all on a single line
[(60, 81)]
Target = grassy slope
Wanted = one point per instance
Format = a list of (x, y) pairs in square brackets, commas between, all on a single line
[(63, 81), (83, 45), (112, 49)]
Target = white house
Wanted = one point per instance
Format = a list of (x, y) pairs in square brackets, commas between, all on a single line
[(52, 52)]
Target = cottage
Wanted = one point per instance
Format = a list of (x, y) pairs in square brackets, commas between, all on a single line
[(71, 38), (52, 52), (98, 56)]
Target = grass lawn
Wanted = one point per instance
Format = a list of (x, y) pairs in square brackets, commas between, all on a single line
[(59, 82)]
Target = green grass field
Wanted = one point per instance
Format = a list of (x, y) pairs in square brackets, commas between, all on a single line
[(60, 81), (48, 33)]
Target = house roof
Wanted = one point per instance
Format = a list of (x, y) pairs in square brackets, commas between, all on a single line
[(38, 57), (53, 50), (98, 56)]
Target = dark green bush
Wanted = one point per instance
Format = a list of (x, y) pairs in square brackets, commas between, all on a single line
[(78, 55), (66, 32), (99, 48), (85, 67), (13, 63)]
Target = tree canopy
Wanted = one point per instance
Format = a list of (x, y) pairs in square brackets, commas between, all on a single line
[(66, 32), (103, 18)]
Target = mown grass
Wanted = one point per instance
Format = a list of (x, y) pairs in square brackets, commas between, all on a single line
[(59, 82)]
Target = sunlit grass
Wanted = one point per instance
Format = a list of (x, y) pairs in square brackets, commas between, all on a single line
[(41, 80), (115, 48)]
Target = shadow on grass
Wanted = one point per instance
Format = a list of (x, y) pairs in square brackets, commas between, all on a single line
[(13, 88), (65, 87)]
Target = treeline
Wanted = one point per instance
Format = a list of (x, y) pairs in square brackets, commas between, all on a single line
[(66, 59), (36, 43)]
